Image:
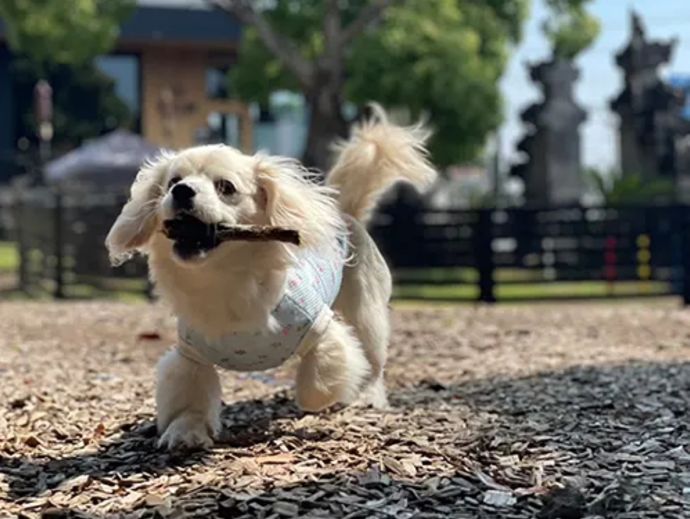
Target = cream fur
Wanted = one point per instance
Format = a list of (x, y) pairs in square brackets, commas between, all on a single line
[(332, 371), (188, 400), (377, 155), (236, 286)]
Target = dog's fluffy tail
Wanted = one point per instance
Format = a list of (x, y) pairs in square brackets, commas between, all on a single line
[(377, 155)]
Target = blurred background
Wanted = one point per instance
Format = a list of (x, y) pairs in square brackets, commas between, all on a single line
[(561, 131)]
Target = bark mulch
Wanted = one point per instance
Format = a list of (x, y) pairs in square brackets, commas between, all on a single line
[(543, 411)]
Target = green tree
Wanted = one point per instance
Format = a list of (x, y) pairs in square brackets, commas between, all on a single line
[(440, 59), (571, 29), (53, 31), (84, 102), (631, 188), (57, 40)]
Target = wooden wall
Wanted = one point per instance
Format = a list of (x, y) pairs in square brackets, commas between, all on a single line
[(174, 100)]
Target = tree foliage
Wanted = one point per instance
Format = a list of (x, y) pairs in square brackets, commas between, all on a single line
[(442, 59), (439, 59), (84, 102), (571, 29), (57, 40), (54, 31), (631, 188)]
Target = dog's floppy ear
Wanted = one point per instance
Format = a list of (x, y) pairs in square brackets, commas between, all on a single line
[(138, 218), (290, 198)]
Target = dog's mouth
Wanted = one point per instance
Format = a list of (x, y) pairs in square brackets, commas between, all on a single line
[(192, 238)]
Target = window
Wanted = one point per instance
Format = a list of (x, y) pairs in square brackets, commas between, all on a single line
[(223, 128), (124, 70), (281, 127), (217, 83), (218, 65)]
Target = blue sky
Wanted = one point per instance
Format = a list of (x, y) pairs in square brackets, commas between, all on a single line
[(600, 80)]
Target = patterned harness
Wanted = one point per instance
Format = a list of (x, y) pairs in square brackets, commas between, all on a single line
[(303, 313)]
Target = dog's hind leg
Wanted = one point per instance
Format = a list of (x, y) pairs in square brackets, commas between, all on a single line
[(333, 370), (372, 329), (363, 304), (188, 401)]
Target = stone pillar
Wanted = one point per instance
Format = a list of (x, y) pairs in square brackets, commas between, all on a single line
[(552, 169), (649, 109)]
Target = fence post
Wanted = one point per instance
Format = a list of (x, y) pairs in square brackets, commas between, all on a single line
[(149, 291), (401, 237), (59, 292), (685, 251), (19, 232), (484, 256)]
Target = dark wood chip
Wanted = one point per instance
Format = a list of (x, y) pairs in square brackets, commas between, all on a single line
[(510, 412)]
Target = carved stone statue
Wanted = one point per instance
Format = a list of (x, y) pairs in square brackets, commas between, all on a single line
[(552, 170), (651, 125)]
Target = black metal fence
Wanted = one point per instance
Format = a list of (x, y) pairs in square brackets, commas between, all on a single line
[(60, 242), (537, 253), (486, 255), (6, 219)]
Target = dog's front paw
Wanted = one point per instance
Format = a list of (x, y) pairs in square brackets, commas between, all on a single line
[(188, 431)]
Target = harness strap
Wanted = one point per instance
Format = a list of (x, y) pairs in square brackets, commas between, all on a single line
[(315, 332), (189, 352)]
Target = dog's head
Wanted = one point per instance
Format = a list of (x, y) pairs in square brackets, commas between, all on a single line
[(220, 185)]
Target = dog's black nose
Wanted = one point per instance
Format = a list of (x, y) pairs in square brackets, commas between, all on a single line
[(182, 196)]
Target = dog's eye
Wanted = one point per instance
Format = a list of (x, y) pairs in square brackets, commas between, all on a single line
[(173, 181), (225, 187)]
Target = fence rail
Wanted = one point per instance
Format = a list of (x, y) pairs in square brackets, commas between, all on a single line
[(486, 255), (60, 240), (618, 250)]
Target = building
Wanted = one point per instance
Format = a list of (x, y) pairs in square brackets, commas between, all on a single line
[(169, 67)]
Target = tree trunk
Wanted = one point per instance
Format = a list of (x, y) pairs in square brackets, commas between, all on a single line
[(323, 79), (326, 125)]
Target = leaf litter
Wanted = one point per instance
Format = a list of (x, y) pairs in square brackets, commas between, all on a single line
[(514, 412)]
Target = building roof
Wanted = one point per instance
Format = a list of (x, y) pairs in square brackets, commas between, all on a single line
[(180, 4), (176, 22), (110, 160)]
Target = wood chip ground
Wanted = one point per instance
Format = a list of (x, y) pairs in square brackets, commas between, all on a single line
[(543, 411)]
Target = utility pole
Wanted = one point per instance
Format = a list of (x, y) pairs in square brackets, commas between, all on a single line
[(496, 169), (43, 112)]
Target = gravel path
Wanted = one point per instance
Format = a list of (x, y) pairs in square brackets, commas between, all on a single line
[(548, 411)]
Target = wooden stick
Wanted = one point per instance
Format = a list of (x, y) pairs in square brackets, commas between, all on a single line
[(195, 230), (257, 233)]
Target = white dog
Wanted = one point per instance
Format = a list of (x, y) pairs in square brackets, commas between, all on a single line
[(242, 292)]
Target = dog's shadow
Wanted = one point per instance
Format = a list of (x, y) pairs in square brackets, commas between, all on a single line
[(133, 449), (251, 422)]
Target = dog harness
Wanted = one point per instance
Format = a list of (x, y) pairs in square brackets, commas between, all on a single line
[(303, 313)]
